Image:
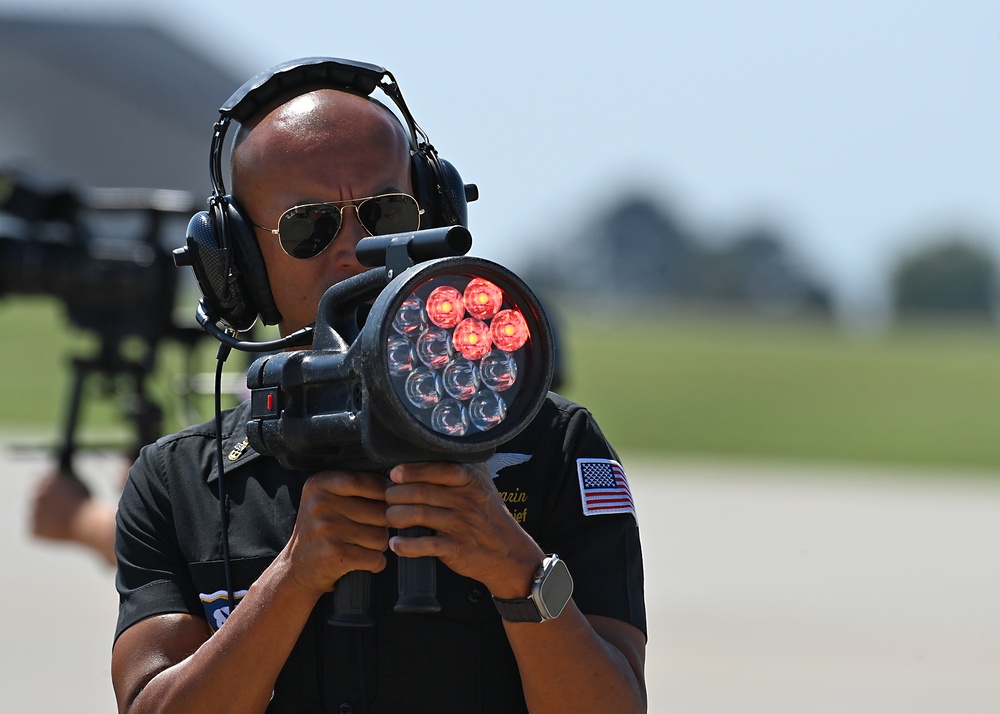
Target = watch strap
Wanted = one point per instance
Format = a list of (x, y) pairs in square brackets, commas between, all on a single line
[(518, 609)]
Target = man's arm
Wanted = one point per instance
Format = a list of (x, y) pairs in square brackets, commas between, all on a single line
[(571, 664), (169, 663), (580, 664)]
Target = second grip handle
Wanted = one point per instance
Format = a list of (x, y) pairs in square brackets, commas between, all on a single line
[(416, 579), (351, 600)]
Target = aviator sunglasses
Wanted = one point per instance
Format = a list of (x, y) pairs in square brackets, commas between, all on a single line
[(306, 231)]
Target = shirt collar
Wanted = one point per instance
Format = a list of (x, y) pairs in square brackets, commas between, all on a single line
[(236, 449)]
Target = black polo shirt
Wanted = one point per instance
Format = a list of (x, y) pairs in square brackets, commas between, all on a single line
[(553, 477)]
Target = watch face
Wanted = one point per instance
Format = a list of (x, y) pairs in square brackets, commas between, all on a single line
[(556, 588)]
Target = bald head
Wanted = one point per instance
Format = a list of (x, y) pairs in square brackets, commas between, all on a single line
[(325, 121)]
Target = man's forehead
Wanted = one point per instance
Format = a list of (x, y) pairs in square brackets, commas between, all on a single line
[(332, 110)]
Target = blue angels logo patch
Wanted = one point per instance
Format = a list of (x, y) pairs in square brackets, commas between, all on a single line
[(217, 606)]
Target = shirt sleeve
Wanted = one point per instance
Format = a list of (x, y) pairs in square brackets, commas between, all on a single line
[(601, 548), (153, 577)]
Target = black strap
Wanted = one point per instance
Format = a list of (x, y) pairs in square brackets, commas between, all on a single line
[(517, 610)]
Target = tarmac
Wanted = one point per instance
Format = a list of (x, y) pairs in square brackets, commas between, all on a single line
[(769, 588)]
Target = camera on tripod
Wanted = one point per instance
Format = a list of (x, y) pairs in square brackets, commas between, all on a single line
[(97, 251), (100, 253)]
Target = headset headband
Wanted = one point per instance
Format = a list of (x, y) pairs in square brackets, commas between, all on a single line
[(301, 76), (221, 243)]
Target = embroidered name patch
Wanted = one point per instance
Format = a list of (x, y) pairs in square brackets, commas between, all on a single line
[(238, 450), (217, 606), (604, 487)]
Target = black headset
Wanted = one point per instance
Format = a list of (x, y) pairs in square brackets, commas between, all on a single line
[(221, 245)]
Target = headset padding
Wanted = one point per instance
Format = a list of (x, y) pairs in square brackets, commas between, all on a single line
[(250, 262)]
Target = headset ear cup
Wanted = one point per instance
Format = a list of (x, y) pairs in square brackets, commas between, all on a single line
[(454, 191), (223, 296), (425, 191), (251, 263), (237, 295), (444, 207)]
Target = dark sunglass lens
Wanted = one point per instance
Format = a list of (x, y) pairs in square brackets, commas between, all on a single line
[(395, 213), (305, 231)]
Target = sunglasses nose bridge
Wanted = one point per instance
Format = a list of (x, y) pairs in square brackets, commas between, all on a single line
[(357, 218)]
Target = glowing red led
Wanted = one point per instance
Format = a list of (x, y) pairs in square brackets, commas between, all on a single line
[(472, 338), (482, 298), (509, 330), (445, 307)]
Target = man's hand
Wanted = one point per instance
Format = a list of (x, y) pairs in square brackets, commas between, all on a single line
[(64, 510), (341, 526), (597, 662), (58, 503), (474, 533)]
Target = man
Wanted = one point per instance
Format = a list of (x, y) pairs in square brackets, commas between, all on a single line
[(294, 534)]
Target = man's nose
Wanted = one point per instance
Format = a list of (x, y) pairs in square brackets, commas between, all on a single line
[(351, 231)]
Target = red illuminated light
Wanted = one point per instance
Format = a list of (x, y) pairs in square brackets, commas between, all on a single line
[(482, 298), (472, 338), (509, 330), (445, 307)]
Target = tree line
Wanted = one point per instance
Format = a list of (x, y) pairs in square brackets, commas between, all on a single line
[(639, 249)]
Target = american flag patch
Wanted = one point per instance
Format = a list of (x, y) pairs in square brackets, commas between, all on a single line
[(603, 487)]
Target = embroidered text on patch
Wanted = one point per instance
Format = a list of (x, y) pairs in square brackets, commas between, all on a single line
[(604, 487), (238, 450)]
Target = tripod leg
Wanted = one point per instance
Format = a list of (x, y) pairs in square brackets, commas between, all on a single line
[(67, 446)]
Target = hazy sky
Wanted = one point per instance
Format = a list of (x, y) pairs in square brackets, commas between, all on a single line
[(852, 127)]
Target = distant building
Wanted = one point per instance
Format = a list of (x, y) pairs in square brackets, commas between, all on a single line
[(106, 104)]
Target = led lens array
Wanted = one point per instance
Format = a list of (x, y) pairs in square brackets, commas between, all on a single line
[(454, 352)]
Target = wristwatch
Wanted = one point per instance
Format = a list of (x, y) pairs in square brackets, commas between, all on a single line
[(551, 590)]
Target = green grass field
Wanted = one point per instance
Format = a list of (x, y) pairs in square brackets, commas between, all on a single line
[(35, 361), (923, 395)]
